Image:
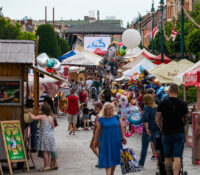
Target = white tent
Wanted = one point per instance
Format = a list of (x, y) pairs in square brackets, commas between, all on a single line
[(83, 58), (130, 53), (179, 79), (145, 63)]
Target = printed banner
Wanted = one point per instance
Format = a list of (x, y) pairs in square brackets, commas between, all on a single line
[(13, 140), (92, 43)]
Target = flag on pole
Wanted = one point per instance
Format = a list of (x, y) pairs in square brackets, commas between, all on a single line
[(155, 31), (173, 34), (147, 33)]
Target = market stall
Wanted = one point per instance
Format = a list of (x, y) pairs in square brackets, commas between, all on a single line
[(192, 78), (166, 73)]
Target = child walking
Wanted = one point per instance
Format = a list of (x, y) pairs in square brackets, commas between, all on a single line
[(46, 135)]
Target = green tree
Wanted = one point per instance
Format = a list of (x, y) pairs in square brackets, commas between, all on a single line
[(8, 30), (26, 36), (48, 42), (64, 46), (193, 42)]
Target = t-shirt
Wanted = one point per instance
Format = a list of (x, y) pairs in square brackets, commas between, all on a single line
[(72, 104), (82, 97), (149, 117), (89, 83), (173, 110), (96, 84), (85, 111)]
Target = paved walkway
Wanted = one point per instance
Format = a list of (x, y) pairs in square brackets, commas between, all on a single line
[(76, 158)]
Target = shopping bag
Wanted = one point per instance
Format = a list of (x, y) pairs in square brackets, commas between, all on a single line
[(129, 161)]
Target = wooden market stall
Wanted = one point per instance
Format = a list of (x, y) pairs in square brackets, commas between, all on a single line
[(15, 56)]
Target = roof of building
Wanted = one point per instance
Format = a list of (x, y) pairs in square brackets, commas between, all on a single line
[(17, 51), (96, 27), (80, 22)]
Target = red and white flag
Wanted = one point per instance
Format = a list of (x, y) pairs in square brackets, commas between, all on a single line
[(155, 31), (173, 34), (147, 33)]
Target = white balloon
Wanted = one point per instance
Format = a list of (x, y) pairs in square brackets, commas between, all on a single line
[(131, 38)]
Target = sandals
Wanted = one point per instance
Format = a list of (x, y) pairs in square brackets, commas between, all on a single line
[(70, 132), (54, 168)]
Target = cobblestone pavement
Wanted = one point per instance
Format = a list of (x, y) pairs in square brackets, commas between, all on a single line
[(76, 158)]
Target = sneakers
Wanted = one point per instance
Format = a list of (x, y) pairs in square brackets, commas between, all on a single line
[(154, 157)]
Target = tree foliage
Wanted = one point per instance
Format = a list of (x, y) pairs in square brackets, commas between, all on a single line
[(13, 31), (64, 46), (48, 42), (191, 36)]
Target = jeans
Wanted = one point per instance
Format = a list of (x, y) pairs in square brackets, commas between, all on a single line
[(34, 135), (145, 143)]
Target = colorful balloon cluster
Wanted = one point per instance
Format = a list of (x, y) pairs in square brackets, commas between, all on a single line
[(135, 81), (120, 48)]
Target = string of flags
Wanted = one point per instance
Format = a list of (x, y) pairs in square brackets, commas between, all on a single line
[(173, 35)]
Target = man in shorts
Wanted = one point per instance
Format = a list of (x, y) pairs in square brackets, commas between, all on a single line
[(171, 117), (72, 111)]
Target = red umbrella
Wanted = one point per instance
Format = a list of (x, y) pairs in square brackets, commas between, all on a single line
[(98, 51)]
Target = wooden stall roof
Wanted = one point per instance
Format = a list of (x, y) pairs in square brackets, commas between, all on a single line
[(17, 51)]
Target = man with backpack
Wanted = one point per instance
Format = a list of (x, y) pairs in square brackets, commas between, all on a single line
[(94, 93), (171, 117)]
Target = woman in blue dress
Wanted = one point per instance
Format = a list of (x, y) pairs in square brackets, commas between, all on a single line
[(109, 131)]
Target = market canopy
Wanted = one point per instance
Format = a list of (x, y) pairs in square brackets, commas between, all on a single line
[(130, 53), (192, 78), (166, 73), (67, 55), (98, 51), (82, 58), (157, 60), (145, 63), (137, 59), (179, 79)]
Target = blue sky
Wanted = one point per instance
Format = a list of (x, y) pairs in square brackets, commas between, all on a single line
[(76, 9)]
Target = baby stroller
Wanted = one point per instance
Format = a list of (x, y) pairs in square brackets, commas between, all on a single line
[(80, 119), (161, 158)]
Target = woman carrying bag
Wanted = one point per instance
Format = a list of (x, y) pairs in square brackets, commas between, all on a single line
[(109, 130)]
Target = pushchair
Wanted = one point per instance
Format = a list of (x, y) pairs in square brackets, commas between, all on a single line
[(161, 158), (80, 119)]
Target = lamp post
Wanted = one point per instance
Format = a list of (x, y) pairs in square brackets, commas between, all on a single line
[(162, 37), (182, 29), (140, 21), (152, 12)]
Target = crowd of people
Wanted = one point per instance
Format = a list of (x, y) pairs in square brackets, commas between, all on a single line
[(165, 119)]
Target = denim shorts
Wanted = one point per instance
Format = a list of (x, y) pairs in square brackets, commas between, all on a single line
[(86, 116), (173, 145)]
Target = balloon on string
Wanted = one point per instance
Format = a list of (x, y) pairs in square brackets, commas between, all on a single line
[(50, 63), (131, 38)]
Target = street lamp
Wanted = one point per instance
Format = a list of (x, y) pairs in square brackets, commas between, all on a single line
[(152, 12), (162, 37), (182, 29), (140, 21)]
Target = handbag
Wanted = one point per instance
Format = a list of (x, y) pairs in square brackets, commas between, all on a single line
[(128, 161)]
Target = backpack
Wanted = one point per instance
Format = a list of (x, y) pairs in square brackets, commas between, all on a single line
[(93, 90)]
